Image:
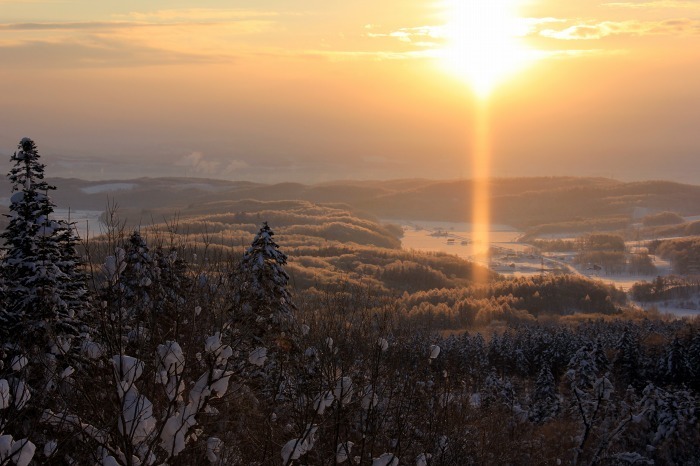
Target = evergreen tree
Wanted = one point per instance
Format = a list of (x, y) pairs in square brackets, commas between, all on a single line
[(44, 303), (545, 402), (263, 296), (44, 291), (601, 359), (673, 367), (140, 277), (694, 360), (583, 370), (626, 363), (148, 290)]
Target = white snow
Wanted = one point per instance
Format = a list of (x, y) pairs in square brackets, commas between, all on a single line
[(110, 461), (17, 197), (369, 399), (214, 446), (115, 265), (171, 363), (342, 453), (386, 459), (20, 394), (91, 349), (171, 357), (127, 369), (220, 385), (258, 356), (294, 448), (18, 362), (214, 345), (383, 344), (323, 401), (108, 188), (136, 420), (5, 446), (4, 394), (50, 448), (343, 390), (21, 451)]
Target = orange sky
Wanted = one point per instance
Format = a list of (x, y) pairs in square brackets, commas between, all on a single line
[(314, 90)]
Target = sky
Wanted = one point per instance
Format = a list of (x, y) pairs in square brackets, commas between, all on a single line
[(320, 90)]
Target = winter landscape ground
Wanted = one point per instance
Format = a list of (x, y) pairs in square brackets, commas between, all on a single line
[(237, 323)]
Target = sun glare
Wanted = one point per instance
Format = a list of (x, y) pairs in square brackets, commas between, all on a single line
[(483, 45)]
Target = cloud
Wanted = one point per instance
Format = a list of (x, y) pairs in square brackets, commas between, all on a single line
[(142, 39), (91, 52), (49, 26), (373, 55), (600, 30), (424, 36), (656, 4), (235, 166), (197, 163), (199, 15), (37, 2), (161, 37)]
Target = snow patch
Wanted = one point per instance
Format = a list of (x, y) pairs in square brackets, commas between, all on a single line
[(108, 188), (258, 356), (386, 459)]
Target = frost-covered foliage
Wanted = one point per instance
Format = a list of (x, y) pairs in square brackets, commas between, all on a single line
[(162, 363)]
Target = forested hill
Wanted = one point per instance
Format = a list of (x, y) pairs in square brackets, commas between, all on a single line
[(521, 202)]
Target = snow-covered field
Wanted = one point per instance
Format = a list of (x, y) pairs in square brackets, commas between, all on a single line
[(513, 259), (456, 238), (674, 309), (108, 188)]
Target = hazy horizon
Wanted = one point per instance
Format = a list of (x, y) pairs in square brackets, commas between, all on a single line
[(314, 91)]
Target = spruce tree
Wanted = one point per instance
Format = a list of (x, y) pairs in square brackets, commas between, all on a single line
[(673, 367), (626, 363), (263, 296), (694, 360), (44, 291), (545, 402), (44, 302)]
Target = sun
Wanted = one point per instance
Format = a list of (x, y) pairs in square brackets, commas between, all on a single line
[(483, 44)]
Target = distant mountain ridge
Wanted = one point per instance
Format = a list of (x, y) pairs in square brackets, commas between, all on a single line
[(521, 202)]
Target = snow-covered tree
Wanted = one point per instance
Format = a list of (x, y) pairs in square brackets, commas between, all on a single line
[(45, 304), (673, 367), (153, 370), (694, 360), (545, 401), (263, 298), (44, 288), (626, 362)]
